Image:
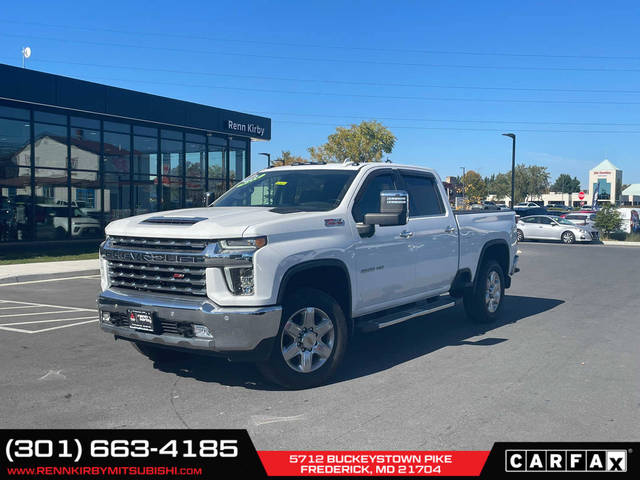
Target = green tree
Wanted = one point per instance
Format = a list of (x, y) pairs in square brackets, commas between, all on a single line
[(500, 185), (286, 158), (608, 219), (475, 188), (565, 184), (531, 181), (366, 142)]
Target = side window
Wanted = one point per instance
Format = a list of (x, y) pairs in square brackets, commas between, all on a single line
[(369, 200), (424, 198), (544, 220)]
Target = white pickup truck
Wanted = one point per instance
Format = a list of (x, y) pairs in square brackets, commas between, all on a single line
[(290, 263)]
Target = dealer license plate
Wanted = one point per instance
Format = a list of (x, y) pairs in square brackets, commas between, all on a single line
[(141, 320)]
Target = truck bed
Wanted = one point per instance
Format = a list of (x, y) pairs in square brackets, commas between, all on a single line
[(479, 227)]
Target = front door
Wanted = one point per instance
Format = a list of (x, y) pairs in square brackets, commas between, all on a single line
[(385, 270)]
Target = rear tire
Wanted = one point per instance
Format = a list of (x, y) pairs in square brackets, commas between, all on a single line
[(483, 303), (568, 238), (311, 342)]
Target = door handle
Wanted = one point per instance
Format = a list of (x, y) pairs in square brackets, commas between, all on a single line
[(450, 229), (406, 234)]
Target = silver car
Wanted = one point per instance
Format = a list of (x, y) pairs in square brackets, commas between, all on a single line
[(550, 227)]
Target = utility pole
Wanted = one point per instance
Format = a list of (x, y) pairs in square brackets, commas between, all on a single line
[(513, 166)]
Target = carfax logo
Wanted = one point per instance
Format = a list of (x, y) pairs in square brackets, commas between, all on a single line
[(566, 460)]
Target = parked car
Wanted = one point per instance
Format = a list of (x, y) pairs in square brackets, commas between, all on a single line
[(549, 227), (283, 268), (558, 209), (630, 220), (52, 222), (527, 211), (527, 205), (581, 218)]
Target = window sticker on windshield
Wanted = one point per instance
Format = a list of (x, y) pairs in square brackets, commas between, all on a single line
[(250, 180), (281, 183)]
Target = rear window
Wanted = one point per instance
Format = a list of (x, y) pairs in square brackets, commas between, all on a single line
[(424, 198)]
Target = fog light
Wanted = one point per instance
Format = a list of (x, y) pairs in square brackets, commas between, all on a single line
[(106, 317), (246, 281), (240, 280), (201, 331)]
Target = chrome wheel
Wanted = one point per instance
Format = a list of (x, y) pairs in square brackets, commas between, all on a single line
[(307, 340), (494, 292), (567, 237), (520, 236)]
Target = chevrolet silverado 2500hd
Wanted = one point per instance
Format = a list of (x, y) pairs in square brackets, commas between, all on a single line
[(290, 263)]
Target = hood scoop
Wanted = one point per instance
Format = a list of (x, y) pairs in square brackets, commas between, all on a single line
[(174, 220)]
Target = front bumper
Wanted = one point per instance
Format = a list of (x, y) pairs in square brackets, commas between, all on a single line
[(238, 333), (585, 237)]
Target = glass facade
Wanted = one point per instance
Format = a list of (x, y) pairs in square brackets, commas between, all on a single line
[(65, 175)]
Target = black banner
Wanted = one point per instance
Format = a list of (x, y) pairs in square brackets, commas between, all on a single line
[(128, 453)]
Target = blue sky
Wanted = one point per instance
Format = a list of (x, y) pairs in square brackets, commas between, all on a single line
[(446, 77)]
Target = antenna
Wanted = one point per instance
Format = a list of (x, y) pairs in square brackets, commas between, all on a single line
[(26, 53)]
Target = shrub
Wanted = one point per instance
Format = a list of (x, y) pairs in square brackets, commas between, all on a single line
[(608, 219)]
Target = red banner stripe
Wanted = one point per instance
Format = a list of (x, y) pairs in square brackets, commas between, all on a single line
[(373, 463)]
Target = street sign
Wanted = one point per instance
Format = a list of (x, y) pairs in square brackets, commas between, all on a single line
[(581, 195)]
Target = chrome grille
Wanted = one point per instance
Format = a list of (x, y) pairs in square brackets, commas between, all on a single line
[(158, 265), (173, 245)]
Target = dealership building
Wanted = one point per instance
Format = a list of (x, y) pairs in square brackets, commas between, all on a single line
[(75, 155)]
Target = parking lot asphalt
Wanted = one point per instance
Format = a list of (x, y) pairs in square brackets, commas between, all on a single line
[(562, 364)]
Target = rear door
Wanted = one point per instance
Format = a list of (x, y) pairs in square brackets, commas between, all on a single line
[(434, 234), (385, 270), (529, 227)]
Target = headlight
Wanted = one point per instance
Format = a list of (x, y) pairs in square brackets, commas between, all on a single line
[(244, 243)]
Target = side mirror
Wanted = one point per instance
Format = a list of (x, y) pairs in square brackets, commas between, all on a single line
[(394, 209), (208, 198)]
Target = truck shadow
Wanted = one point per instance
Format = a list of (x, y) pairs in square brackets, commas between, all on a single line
[(391, 346)]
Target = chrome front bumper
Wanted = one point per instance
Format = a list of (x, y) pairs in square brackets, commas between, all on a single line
[(234, 330)]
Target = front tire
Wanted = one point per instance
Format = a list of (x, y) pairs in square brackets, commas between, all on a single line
[(520, 236), (311, 342), (568, 238), (483, 303)]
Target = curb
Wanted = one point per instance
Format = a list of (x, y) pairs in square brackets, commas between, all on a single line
[(618, 243), (45, 276)]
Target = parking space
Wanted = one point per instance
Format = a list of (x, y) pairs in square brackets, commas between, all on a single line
[(561, 364), (31, 317)]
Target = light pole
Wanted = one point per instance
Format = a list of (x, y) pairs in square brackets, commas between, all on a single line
[(268, 155), (464, 172), (513, 166)]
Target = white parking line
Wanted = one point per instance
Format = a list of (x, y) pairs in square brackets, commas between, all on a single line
[(48, 305), (45, 321), (39, 313), (20, 330), (13, 308), (47, 280)]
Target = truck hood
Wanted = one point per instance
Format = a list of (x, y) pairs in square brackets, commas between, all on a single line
[(196, 223)]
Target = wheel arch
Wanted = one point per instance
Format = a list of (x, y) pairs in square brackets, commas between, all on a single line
[(499, 251), (329, 275)]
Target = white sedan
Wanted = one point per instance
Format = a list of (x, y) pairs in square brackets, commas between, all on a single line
[(549, 227)]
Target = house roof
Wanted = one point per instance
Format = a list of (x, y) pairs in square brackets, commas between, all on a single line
[(632, 190), (605, 165)]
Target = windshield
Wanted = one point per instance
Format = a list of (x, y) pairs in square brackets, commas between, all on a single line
[(297, 190)]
